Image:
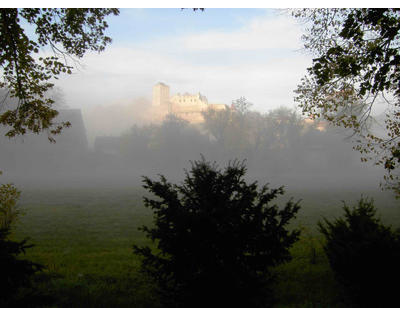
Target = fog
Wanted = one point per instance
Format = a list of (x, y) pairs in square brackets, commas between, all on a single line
[(115, 118), (119, 133), (279, 147)]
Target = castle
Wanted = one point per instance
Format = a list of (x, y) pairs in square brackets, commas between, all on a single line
[(190, 106), (186, 106)]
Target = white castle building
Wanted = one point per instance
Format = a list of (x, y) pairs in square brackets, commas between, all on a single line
[(186, 106)]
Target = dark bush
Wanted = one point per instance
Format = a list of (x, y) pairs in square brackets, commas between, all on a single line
[(14, 271), (364, 256), (217, 238)]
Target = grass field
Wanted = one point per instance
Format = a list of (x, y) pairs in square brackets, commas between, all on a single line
[(84, 237)]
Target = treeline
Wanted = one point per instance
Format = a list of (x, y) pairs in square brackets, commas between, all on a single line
[(279, 146)]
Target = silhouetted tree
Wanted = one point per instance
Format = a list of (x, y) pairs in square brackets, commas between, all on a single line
[(217, 237), (364, 256), (14, 271)]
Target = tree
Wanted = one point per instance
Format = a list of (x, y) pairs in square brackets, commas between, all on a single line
[(241, 105), (286, 126), (26, 74), (357, 64), (14, 271), (217, 237), (230, 127), (364, 255), (217, 122)]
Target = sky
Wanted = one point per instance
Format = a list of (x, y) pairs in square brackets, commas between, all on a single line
[(222, 53)]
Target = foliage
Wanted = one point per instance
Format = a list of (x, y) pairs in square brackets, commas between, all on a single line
[(286, 126), (14, 272), (255, 136), (217, 122), (241, 105), (9, 211), (170, 144), (238, 122), (272, 143), (26, 73), (364, 255), (356, 67), (217, 237)]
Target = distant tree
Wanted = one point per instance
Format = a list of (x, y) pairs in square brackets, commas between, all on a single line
[(230, 127), (217, 122), (277, 136), (217, 238), (271, 141), (69, 33), (357, 62), (169, 145), (136, 143), (241, 105), (364, 255), (173, 124), (286, 126), (176, 141)]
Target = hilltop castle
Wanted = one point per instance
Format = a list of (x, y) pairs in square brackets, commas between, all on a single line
[(186, 106)]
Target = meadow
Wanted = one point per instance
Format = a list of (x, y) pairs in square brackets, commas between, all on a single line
[(84, 239)]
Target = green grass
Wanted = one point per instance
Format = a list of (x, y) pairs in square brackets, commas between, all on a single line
[(85, 237)]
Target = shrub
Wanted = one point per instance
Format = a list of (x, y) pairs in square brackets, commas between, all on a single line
[(364, 255), (14, 272), (217, 238), (9, 211)]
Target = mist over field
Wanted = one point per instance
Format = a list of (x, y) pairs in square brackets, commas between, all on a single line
[(280, 147)]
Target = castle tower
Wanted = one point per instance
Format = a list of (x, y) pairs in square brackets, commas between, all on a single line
[(161, 98)]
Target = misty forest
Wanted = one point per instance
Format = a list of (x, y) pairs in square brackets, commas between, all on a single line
[(122, 185)]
